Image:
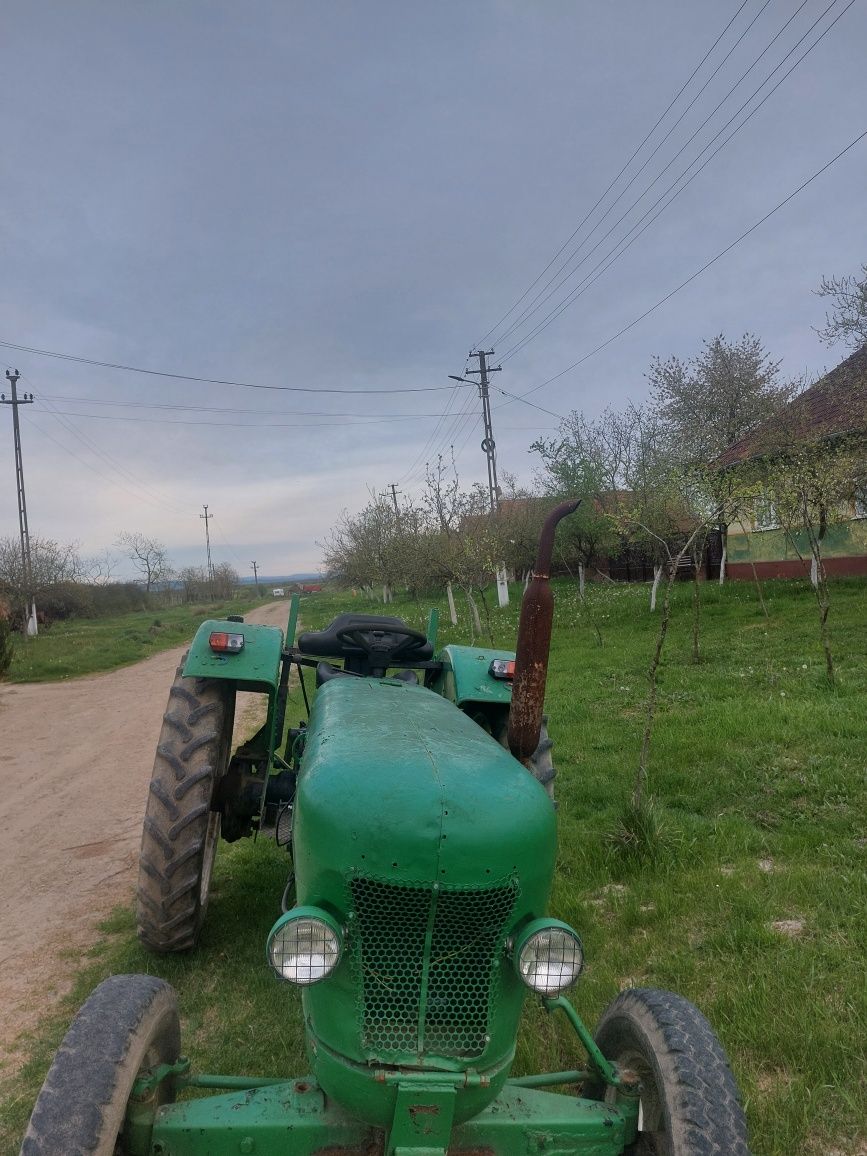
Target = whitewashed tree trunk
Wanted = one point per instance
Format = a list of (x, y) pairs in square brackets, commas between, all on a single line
[(32, 622), (581, 581), (814, 572), (722, 565), (657, 575), (453, 614), (502, 587), (387, 595), (526, 579)]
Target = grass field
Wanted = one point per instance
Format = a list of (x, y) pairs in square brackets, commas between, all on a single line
[(757, 769), (89, 645)]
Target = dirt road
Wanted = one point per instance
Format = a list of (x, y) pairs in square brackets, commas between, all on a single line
[(75, 763)]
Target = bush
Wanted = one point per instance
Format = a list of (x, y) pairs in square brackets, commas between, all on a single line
[(5, 646), (117, 598), (64, 600)]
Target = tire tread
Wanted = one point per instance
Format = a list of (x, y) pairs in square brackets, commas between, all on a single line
[(174, 835), (702, 1098)]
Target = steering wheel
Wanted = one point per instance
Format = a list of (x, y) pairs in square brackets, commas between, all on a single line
[(379, 643)]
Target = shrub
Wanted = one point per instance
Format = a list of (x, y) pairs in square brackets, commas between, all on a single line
[(6, 648)]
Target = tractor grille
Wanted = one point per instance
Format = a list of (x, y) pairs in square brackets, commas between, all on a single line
[(428, 964)]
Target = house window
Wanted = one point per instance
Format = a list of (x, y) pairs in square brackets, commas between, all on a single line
[(765, 516)]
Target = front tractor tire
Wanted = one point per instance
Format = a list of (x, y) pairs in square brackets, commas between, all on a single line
[(181, 830), (127, 1026), (689, 1103)]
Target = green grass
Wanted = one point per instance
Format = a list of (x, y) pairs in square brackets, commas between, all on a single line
[(757, 773), (80, 646)]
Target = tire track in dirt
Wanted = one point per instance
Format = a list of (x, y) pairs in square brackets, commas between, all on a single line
[(75, 764)]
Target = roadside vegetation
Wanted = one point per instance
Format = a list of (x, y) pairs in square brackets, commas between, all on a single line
[(747, 894), (77, 646)]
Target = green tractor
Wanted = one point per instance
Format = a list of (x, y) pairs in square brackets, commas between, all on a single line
[(415, 922)]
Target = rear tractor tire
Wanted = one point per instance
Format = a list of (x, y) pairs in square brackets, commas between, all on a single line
[(181, 830), (540, 764), (689, 1103), (128, 1025)]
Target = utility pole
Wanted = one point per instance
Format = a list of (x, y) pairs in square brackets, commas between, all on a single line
[(30, 625), (255, 566), (488, 444), (207, 517), (394, 492)]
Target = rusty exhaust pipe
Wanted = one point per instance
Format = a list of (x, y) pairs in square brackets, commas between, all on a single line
[(534, 643)]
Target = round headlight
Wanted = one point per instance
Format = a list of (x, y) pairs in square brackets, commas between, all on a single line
[(549, 957), (304, 945)]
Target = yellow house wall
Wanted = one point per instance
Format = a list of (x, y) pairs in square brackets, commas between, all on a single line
[(842, 540)]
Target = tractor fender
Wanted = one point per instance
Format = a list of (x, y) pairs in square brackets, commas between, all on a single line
[(255, 667), (466, 676)]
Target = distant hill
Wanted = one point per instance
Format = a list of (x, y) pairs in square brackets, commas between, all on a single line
[(280, 579)]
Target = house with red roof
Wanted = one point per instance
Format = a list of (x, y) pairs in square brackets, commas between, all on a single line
[(828, 418)]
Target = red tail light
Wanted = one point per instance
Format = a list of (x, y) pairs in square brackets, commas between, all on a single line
[(226, 643)]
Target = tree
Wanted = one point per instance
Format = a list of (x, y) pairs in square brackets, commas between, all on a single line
[(194, 583), (100, 568), (586, 460), (811, 485), (51, 563), (55, 566), (148, 555), (847, 322), (224, 579), (362, 549), (709, 402)]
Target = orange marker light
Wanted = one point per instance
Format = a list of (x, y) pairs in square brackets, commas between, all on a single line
[(226, 643)]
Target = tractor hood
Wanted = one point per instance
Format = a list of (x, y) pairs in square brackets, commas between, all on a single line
[(398, 784), (430, 844)]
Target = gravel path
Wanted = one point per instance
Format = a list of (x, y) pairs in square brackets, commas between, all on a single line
[(75, 763)]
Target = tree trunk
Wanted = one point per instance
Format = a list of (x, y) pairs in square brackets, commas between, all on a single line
[(696, 616), (453, 614), (722, 562), (581, 581), (819, 580), (641, 773), (657, 574), (476, 623), (757, 582), (487, 610)]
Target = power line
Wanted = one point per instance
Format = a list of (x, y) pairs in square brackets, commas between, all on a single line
[(219, 408), (693, 276), (211, 380), (456, 389), (118, 469), (589, 279), (239, 425), (447, 438), (533, 307), (611, 185)]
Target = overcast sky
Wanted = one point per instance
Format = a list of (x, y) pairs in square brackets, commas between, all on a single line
[(349, 196)]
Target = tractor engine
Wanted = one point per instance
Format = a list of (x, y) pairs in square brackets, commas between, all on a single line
[(422, 852)]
